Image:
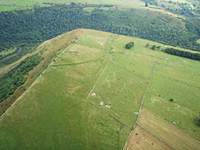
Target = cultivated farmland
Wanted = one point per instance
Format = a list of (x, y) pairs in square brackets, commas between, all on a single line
[(98, 95)]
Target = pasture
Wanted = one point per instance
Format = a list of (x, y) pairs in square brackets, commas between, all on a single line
[(90, 97)]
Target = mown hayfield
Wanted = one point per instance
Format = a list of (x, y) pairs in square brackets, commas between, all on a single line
[(90, 96), (141, 139), (163, 130)]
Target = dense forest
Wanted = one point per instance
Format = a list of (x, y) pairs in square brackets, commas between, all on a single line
[(16, 77), (27, 27)]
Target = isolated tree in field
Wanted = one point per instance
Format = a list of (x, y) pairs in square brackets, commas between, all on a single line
[(146, 4), (198, 120), (129, 45)]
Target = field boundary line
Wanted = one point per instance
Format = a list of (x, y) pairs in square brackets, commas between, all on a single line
[(69, 73), (109, 114), (129, 71), (79, 63), (155, 136), (173, 101), (173, 125), (179, 69), (99, 78), (168, 60), (141, 104), (41, 75), (179, 81)]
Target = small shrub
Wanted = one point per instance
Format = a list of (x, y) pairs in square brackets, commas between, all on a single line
[(129, 45), (153, 47), (171, 100)]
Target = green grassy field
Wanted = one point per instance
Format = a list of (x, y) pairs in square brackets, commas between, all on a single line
[(90, 96), (6, 5)]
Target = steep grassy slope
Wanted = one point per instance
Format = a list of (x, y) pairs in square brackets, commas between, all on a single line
[(92, 95)]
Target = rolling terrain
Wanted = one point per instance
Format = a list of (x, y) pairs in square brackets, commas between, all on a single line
[(95, 94)]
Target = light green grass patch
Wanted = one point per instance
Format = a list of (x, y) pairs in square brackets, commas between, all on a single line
[(79, 54), (186, 77), (140, 46), (122, 91), (188, 67), (179, 92), (116, 43), (140, 64), (178, 115), (95, 39)]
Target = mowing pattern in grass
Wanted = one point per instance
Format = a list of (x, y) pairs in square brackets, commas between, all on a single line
[(141, 140), (89, 98), (167, 132)]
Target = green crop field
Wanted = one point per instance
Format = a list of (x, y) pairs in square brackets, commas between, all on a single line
[(94, 94)]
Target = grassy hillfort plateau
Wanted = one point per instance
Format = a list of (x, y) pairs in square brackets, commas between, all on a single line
[(125, 75)]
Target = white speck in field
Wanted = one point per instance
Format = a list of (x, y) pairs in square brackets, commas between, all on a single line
[(93, 94), (108, 106), (101, 103), (136, 113)]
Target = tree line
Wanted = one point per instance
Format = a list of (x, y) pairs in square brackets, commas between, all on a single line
[(181, 53)]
